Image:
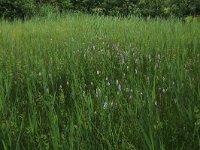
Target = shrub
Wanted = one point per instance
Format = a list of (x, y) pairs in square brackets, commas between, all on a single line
[(11, 9), (190, 19), (164, 8)]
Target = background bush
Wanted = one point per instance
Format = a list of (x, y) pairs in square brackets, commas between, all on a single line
[(163, 8), (11, 9)]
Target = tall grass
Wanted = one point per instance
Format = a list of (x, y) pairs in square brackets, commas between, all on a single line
[(88, 82)]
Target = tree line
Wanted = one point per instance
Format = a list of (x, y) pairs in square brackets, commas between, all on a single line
[(155, 8)]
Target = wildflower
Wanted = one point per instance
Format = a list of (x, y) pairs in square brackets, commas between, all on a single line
[(97, 92), (40, 74), (111, 104), (158, 56), (156, 103), (132, 50), (136, 61), (60, 86), (67, 82), (149, 56), (163, 78), (117, 48), (119, 87), (156, 66), (123, 61), (47, 90), (106, 97), (84, 94), (92, 83), (105, 105), (98, 72), (127, 68), (136, 71), (148, 79), (108, 83), (106, 78), (75, 126), (117, 82), (164, 90), (175, 100)]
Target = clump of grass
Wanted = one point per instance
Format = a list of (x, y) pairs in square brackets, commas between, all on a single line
[(87, 82)]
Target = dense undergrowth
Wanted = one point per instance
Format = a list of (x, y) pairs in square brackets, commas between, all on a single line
[(25, 9), (86, 82)]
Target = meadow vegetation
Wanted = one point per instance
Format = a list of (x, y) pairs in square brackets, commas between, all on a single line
[(88, 82)]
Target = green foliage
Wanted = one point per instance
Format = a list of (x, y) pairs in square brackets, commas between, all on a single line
[(60, 4), (11, 9), (154, 8), (190, 19), (79, 81)]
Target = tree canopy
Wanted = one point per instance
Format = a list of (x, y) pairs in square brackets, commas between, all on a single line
[(153, 8)]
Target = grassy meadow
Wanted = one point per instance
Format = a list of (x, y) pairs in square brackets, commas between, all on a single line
[(88, 82)]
